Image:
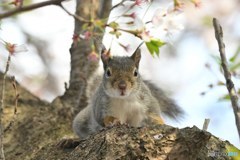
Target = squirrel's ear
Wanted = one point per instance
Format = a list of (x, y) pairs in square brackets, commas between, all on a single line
[(105, 56), (136, 56)]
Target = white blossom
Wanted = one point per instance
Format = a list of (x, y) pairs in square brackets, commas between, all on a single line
[(20, 48), (167, 20)]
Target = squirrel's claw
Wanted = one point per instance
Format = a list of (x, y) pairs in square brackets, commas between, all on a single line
[(110, 121)]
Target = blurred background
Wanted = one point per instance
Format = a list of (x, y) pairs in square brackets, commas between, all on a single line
[(187, 68)]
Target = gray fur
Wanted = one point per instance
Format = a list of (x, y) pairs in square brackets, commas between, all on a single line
[(167, 105), (138, 100)]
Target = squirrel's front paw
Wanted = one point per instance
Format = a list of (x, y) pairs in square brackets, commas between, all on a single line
[(156, 119), (110, 121)]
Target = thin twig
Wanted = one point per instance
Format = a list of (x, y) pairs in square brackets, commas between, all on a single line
[(2, 157), (29, 7), (15, 106), (125, 12), (206, 123), (81, 19), (133, 32), (229, 84), (148, 7), (119, 4)]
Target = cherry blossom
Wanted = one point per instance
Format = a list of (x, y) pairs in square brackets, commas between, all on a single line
[(167, 20), (145, 36), (197, 3), (132, 15), (75, 39), (13, 48), (17, 3), (93, 56), (86, 35)]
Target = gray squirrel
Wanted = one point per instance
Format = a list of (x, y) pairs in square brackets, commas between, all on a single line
[(121, 96)]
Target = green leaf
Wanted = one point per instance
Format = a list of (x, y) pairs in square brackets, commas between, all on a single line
[(207, 21), (225, 98), (116, 33), (112, 32), (233, 58), (233, 67), (153, 46), (85, 26), (220, 83), (217, 59), (113, 25)]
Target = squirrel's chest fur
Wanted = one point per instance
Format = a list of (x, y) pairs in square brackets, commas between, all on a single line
[(128, 110)]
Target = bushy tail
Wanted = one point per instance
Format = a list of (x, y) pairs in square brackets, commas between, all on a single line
[(93, 84), (167, 105)]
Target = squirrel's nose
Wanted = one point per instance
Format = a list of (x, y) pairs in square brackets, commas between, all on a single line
[(122, 85)]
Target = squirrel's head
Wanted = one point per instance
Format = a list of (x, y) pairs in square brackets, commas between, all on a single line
[(121, 75)]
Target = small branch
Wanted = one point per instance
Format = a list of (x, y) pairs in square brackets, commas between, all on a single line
[(15, 106), (117, 5), (2, 157), (4, 81), (229, 83), (206, 123), (133, 32), (81, 19), (29, 7)]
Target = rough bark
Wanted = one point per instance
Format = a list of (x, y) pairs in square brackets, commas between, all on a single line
[(40, 127), (81, 67), (37, 123), (156, 143)]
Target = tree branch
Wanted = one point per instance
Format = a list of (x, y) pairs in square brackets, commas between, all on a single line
[(29, 7), (10, 124), (2, 156), (230, 85), (81, 67), (77, 17)]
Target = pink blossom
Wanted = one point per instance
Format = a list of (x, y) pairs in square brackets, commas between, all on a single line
[(86, 35), (17, 3), (167, 20), (178, 5), (139, 2), (13, 48), (197, 3), (132, 15), (75, 38), (106, 54), (93, 56), (145, 35)]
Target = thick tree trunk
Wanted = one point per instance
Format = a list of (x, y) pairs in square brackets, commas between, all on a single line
[(81, 67)]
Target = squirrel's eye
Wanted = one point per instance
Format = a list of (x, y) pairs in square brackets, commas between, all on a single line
[(135, 73), (108, 73)]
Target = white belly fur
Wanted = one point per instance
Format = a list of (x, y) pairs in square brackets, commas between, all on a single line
[(128, 111)]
